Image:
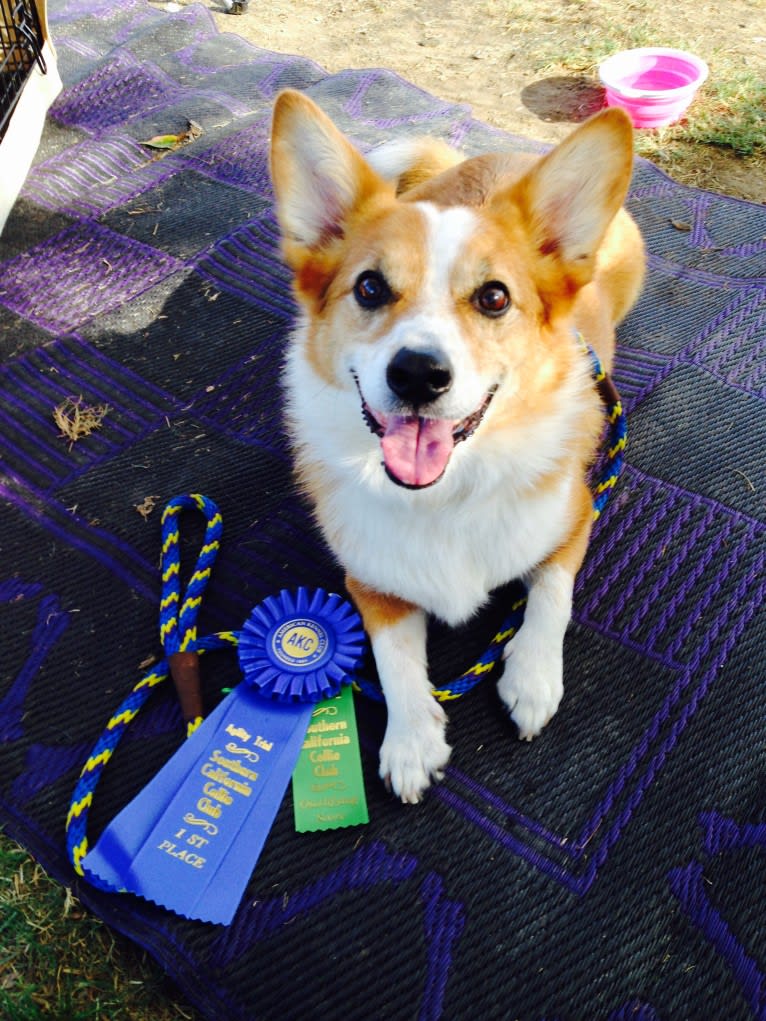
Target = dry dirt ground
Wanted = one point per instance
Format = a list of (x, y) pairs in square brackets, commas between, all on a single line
[(501, 57)]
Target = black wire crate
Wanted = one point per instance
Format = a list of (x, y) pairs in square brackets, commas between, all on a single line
[(21, 46)]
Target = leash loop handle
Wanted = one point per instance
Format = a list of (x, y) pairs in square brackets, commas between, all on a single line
[(178, 616), (178, 634)]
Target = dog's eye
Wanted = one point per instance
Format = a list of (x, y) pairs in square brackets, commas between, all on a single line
[(492, 299), (371, 289)]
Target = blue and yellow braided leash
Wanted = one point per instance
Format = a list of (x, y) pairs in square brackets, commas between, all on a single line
[(178, 634), (182, 646), (617, 435)]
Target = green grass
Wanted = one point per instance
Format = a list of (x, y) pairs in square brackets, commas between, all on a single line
[(730, 112), (58, 963), (572, 38), (727, 117)]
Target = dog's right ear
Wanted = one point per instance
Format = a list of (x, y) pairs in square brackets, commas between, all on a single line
[(319, 178)]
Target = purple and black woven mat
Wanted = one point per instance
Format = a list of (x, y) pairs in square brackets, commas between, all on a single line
[(613, 869)]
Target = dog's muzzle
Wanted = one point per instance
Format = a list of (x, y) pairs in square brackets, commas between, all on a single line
[(416, 449)]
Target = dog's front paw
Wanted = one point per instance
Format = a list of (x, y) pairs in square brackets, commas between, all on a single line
[(414, 751), (531, 686)]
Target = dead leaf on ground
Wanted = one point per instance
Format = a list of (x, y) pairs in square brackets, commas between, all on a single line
[(76, 419), (146, 506), (171, 142)]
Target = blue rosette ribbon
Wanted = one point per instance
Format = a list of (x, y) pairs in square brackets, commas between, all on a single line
[(301, 646), (191, 838)]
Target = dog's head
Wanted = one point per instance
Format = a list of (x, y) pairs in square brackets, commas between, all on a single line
[(447, 305)]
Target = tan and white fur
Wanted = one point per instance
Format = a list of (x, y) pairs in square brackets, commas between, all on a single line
[(442, 297)]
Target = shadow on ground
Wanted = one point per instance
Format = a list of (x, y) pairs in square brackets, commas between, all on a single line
[(571, 98)]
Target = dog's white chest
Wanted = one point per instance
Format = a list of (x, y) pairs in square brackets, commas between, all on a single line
[(447, 561)]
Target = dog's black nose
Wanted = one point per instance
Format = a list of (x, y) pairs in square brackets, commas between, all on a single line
[(418, 377)]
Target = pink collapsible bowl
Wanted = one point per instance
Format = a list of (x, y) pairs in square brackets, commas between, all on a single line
[(654, 85)]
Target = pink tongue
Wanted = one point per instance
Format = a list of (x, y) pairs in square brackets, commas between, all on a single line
[(416, 450)]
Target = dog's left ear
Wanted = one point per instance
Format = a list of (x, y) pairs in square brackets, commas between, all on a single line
[(572, 195), (319, 177)]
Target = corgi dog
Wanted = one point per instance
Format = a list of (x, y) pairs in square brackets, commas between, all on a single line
[(440, 401)]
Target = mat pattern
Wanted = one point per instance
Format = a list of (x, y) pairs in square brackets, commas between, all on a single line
[(613, 869)]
